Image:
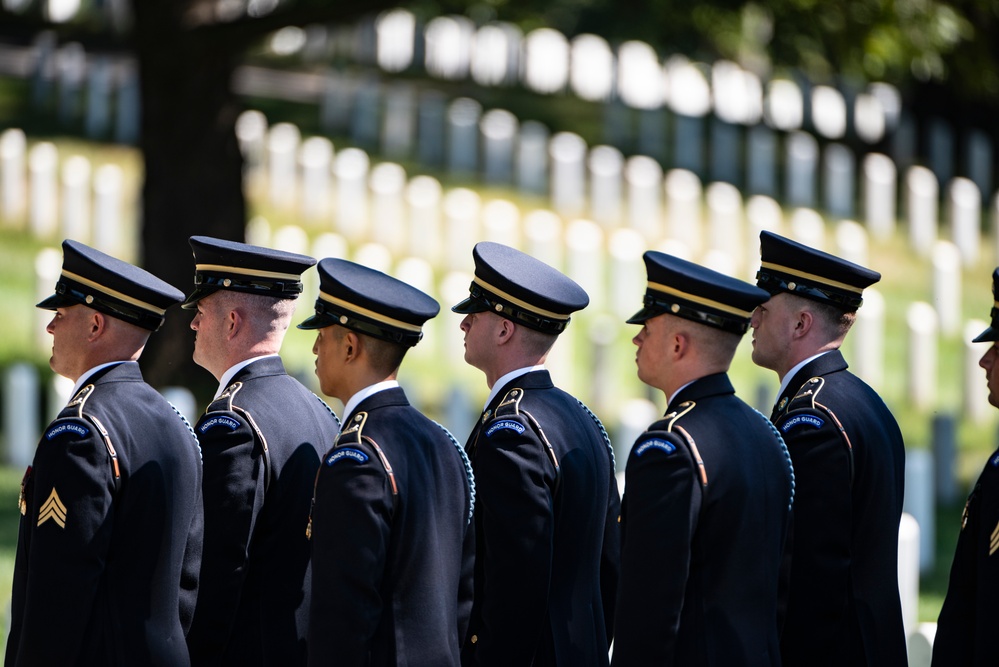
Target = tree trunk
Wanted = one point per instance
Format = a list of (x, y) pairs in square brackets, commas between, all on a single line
[(193, 169)]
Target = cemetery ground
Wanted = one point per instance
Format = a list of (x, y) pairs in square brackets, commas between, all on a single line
[(435, 370)]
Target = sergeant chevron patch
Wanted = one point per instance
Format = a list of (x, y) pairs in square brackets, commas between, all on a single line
[(53, 509), (994, 542)]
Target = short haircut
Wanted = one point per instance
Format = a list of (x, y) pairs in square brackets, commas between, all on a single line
[(536, 343), (266, 314), (835, 321), (716, 346), (384, 356)]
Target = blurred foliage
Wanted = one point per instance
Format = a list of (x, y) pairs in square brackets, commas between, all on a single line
[(905, 42)]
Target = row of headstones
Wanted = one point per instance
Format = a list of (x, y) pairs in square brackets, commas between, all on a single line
[(713, 148), (21, 414), (312, 178), (70, 199), (417, 218), (100, 91), (633, 76), (406, 123)]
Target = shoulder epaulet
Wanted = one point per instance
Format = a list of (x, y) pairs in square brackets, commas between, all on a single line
[(353, 434), (672, 427), (78, 403), (809, 393), (226, 403), (510, 405)]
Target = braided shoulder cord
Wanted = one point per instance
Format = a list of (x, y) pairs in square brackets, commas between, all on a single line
[(468, 471), (603, 432), (330, 410), (197, 443), (787, 454)]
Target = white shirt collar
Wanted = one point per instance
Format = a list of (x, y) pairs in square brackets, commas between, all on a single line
[(365, 393), (791, 373), (82, 380), (228, 375), (503, 381)]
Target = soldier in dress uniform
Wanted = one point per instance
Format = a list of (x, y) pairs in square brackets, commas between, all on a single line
[(849, 461), (547, 504), (110, 534), (262, 437), (392, 543), (970, 616), (708, 488)]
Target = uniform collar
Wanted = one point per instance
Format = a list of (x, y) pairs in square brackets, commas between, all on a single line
[(356, 399), (508, 378), (82, 380), (226, 378)]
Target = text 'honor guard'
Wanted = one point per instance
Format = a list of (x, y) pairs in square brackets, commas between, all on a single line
[(392, 543), (849, 462), (708, 488), (970, 615), (108, 551), (547, 542), (262, 437)]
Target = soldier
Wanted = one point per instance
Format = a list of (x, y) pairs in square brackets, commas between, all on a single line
[(969, 614), (708, 487), (849, 462), (547, 504), (110, 535), (262, 437), (392, 544)]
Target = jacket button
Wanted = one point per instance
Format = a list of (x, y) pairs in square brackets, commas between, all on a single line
[(475, 638)]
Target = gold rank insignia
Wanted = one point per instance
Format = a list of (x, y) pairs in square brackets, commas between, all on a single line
[(994, 540), (53, 509), (782, 404)]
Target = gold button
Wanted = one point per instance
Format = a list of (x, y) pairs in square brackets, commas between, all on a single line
[(343, 319), (499, 307), (792, 285), (89, 299), (475, 638), (227, 282), (619, 518), (675, 308)]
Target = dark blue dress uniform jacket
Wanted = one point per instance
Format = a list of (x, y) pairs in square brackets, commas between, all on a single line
[(843, 605), (392, 551), (703, 530), (547, 543), (262, 439), (969, 618), (106, 570)]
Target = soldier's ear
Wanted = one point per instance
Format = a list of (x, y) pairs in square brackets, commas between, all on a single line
[(98, 325)]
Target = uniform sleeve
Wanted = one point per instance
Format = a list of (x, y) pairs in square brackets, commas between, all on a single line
[(351, 526), (514, 481), (610, 556), (233, 489), (820, 556), (661, 504), (65, 536), (969, 617), (191, 567)]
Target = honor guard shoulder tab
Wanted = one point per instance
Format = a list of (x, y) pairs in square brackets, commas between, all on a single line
[(505, 418)]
